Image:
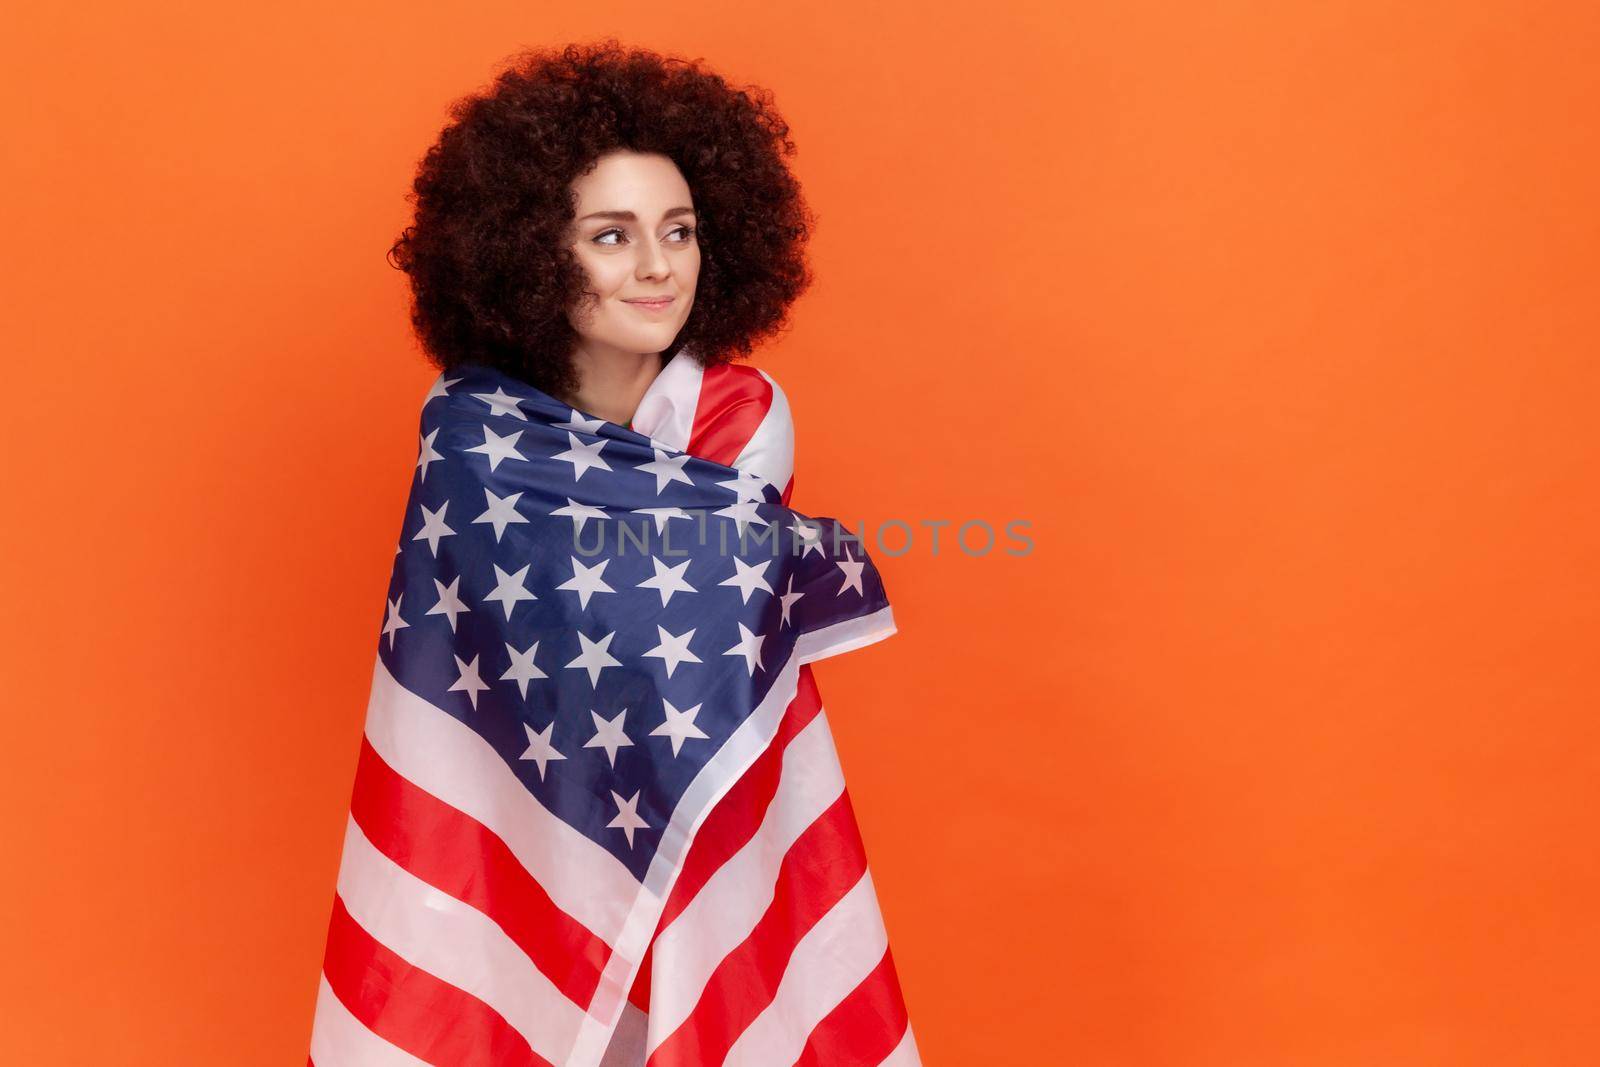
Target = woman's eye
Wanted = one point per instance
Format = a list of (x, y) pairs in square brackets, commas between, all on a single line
[(686, 233)]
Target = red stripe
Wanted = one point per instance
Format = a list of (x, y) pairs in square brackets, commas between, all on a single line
[(865, 1027), (734, 821), (414, 1010), (824, 863), (733, 401), (738, 815), (871, 1021), (455, 853)]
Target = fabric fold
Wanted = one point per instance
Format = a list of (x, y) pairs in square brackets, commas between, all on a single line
[(591, 634)]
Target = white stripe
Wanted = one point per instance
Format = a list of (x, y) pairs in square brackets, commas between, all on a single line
[(442, 755), (339, 1039), (770, 451), (727, 766), (456, 943), (666, 411), (828, 963), (846, 635), (905, 1053), (732, 901)]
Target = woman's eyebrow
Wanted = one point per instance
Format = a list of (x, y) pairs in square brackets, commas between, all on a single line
[(628, 216)]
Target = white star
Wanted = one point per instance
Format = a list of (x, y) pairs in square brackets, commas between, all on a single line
[(788, 598), (469, 679), (582, 456), (749, 647), (609, 735), (679, 726), (748, 485), (662, 515), (595, 658), (433, 527), (667, 470), (509, 588), (539, 747), (667, 580), (852, 572), (809, 534), (586, 581), (744, 514), (673, 649), (441, 387), (426, 454), (748, 577), (502, 511), (522, 669), (627, 819), (394, 622), (449, 604), (581, 513), (502, 403), (581, 424), (498, 448)]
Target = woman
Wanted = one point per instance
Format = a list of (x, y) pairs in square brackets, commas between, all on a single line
[(597, 239)]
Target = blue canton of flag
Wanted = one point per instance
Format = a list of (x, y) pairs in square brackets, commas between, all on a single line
[(605, 612)]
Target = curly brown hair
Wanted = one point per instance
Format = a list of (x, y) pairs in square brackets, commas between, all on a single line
[(491, 277)]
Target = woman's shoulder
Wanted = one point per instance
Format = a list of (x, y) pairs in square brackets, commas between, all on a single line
[(743, 420), (752, 392), (732, 413)]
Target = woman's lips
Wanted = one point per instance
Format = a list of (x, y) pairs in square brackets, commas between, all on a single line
[(651, 305)]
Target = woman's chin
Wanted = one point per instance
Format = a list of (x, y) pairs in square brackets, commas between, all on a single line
[(653, 339)]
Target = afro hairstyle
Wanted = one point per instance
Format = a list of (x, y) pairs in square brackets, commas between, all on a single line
[(492, 279)]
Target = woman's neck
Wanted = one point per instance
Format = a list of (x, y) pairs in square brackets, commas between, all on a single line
[(611, 382)]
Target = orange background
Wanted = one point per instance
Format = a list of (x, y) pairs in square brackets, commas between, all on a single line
[(1277, 322)]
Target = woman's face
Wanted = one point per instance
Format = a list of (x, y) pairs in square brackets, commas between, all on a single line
[(634, 233)]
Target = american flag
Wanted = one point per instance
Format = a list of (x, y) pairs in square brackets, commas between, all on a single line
[(598, 816)]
